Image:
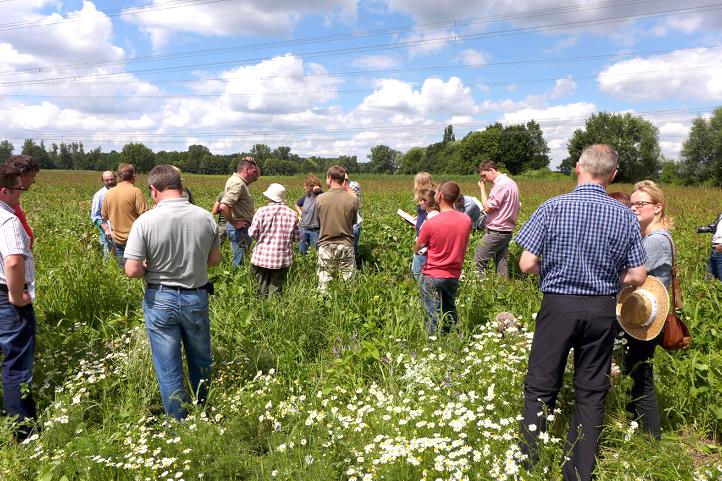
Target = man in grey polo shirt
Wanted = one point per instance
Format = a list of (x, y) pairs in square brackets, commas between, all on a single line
[(172, 246)]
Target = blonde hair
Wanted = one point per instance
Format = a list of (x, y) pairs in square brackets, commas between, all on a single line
[(657, 196), (423, 180)]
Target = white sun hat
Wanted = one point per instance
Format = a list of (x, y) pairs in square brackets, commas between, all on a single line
[(276, 193)]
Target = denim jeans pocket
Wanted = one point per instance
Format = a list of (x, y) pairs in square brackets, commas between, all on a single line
[(9, 320)]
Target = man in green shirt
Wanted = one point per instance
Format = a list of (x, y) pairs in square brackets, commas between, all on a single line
[(237, 207)]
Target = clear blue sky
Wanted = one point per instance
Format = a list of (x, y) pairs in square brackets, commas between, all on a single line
[(333, 77)]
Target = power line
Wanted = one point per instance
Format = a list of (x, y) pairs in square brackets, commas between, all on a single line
[(377, 47), (351, 35)]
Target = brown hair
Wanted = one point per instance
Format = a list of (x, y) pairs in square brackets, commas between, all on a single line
[(126, 172), (450, 191), (311, 182), (246, 162), (429, 196), (337, 173), (657, 196), (9, 176), (164, 177), (487, 165), (620, 197), (24, 163)]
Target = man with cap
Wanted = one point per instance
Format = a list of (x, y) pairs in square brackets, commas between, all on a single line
[(275, 228), (586, 246), (17, 317), (337, 214), (172, 246), (237, 207), (96, 215)]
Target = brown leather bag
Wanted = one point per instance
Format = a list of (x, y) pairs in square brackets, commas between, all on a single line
[(676, 335)]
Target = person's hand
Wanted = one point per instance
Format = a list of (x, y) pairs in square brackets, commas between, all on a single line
[(481, 183), (22, 302), (316, 189), (106, 231), (718, 247)]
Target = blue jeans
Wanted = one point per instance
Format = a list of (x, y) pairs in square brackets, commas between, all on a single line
[(173, 318), (119, 254), (17, 340), (356, 237), (309, 237), (714, 264), (438, 296), (106, 243), (417, 263), (240, 243)]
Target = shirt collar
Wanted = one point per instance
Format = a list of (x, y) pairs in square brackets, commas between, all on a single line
[(500, 177), (179, 200), (591, 187), (5, 206)]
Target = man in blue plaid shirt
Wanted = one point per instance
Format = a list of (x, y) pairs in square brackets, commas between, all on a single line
[(585, 245)]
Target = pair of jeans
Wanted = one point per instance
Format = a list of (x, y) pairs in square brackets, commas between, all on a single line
[(438, 297), (714, 264), (240, 243), (586, 324), (417, 263), (309, 237), (106, 243), (638, 363), (120, 254), (17, 340), (356, 237), (174, 318)]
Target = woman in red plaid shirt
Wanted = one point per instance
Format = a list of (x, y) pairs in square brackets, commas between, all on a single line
[(275, 228)]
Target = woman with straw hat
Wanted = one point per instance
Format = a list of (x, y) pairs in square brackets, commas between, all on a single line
[(642, 312)]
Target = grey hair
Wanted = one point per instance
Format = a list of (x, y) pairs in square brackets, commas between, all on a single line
[(599, 160)]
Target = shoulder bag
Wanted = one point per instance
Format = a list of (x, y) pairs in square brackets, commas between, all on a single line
[(675, 335)]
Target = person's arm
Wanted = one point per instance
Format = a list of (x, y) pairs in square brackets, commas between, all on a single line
[(15, 272), (529, 263), (134, 268), (633, 276), (104, 209), (216, 208), (299, 212), (422, 240), (484, 197), (214, 257), (140, 203)]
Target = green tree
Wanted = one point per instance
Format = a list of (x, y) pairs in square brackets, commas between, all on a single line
[(449, 134), (539, 156), (139, 155), (478, 146), (38, 153), (382, 160), (280, 167), (411, 161), (635, 140), (6, 150), (701, 155)]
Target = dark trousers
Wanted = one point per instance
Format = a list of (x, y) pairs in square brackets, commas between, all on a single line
[(270, 281), (638, 364), (585, 323), (17, 340)]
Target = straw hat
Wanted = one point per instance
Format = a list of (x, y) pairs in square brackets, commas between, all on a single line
[(276, 193), (641, 311)]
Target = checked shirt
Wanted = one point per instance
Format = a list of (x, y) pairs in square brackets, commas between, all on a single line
[(584, 238), (275, 228)]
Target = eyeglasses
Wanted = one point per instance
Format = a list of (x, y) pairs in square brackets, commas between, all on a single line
[(17, 188), (639, 204)]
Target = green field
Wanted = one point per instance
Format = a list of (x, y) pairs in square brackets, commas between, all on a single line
[(345, 386)]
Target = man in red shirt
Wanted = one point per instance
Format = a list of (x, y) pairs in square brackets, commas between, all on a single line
[(445, 237)]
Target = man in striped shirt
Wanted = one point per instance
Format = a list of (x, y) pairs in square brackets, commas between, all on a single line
[(17, 318), (585, 245)]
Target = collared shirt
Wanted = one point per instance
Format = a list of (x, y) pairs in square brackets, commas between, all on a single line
[(503, 204), (96, 208), (238, 197), (24, 221), (122, 205), (275, 228), (584, 238), (15, 241), (174, 239)]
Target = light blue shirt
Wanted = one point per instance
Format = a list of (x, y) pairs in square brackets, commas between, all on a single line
[(97, 206)]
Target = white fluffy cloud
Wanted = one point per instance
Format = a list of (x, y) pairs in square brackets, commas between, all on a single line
[(562, 88), (682, 74), (241, 19), (434, 97), (470, 56)]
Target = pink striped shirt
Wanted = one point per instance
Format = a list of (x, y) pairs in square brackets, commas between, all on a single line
[(503, 204), (275, 228)]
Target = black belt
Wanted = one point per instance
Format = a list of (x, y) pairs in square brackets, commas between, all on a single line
[(163, 287), (4, 287), (500, 231)]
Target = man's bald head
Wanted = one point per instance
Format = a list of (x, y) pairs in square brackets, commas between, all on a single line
[(109, 178)]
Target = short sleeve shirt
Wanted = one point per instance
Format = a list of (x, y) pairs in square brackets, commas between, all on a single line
[(585, 239), (174, 239), (446, 236), (14, 241), (238, 197)]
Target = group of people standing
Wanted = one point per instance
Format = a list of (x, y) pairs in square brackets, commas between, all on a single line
[(585, 245)]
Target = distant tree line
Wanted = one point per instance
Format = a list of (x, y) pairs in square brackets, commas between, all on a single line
[(515, 148)]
